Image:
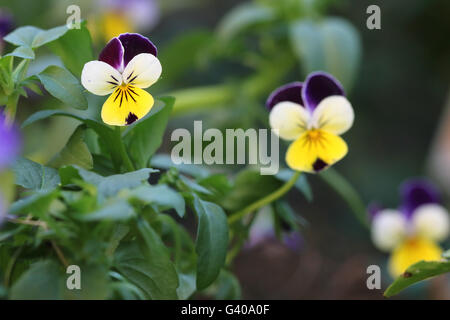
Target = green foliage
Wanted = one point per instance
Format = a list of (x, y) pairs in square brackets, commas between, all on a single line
[(32, 175), (74, 49), (61, 84), (332, 45), (212, 241), (140, 147), (415, 273)]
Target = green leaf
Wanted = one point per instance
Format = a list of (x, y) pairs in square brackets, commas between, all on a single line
[(89, 118), (211, 243), (301, 184), (117, 210), (75, 152), (33, 37), (94, 283), (22, 52), (32, 175), (47, 36), (160, 195), (37, 204), (61, 84), (145, 137), (228, 287), (41, 282), (415, 273), (148, 266), (23, 36), (332, 45), (164, 161), (74, 49), (106, 186), (242, 17)]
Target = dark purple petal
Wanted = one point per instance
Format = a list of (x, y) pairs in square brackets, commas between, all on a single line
[(293, 240), (10, 142), (134, 44), (6, 23), (373, 209), (112, 54), (417, 192), (318, 86), (289, 92)]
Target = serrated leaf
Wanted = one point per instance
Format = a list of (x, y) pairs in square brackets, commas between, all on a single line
[(61, 84), (415, 273), (34, 176), (212, 241)]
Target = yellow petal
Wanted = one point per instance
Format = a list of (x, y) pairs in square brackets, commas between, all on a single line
[(333, 114), (315, 150), (412, 251), (126, 105)]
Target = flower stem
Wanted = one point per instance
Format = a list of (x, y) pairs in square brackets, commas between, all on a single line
[(348, 194), (266, 200), (122, 150)]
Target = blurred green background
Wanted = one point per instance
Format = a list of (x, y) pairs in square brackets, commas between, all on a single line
[(399, 85)]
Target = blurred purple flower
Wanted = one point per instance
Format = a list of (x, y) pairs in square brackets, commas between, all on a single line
[(144, 14), (293, 240), (417, 192), (6, 26), (262, 231), (10, 142)]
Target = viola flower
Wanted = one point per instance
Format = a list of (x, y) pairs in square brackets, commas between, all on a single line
[(263, 231), (127, 65), (10, 142), (412, 232), (312, 114), (119, 16)]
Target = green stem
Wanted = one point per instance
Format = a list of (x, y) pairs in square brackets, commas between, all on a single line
[(122, 150), (266, 200), (342, 187)]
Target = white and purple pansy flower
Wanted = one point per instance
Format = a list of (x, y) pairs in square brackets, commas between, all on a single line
[(127, 65), (412, 231), (312, 114)]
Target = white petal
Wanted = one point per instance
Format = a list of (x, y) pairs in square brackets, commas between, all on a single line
[(290, 119), (388, 229), (143, 70), (100, 78), (431, 221), (334, 114)]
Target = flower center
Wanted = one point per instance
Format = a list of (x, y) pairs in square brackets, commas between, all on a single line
[(314, 135)]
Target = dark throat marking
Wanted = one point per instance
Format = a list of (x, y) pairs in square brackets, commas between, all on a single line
[(131, 118), (319, 165)]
